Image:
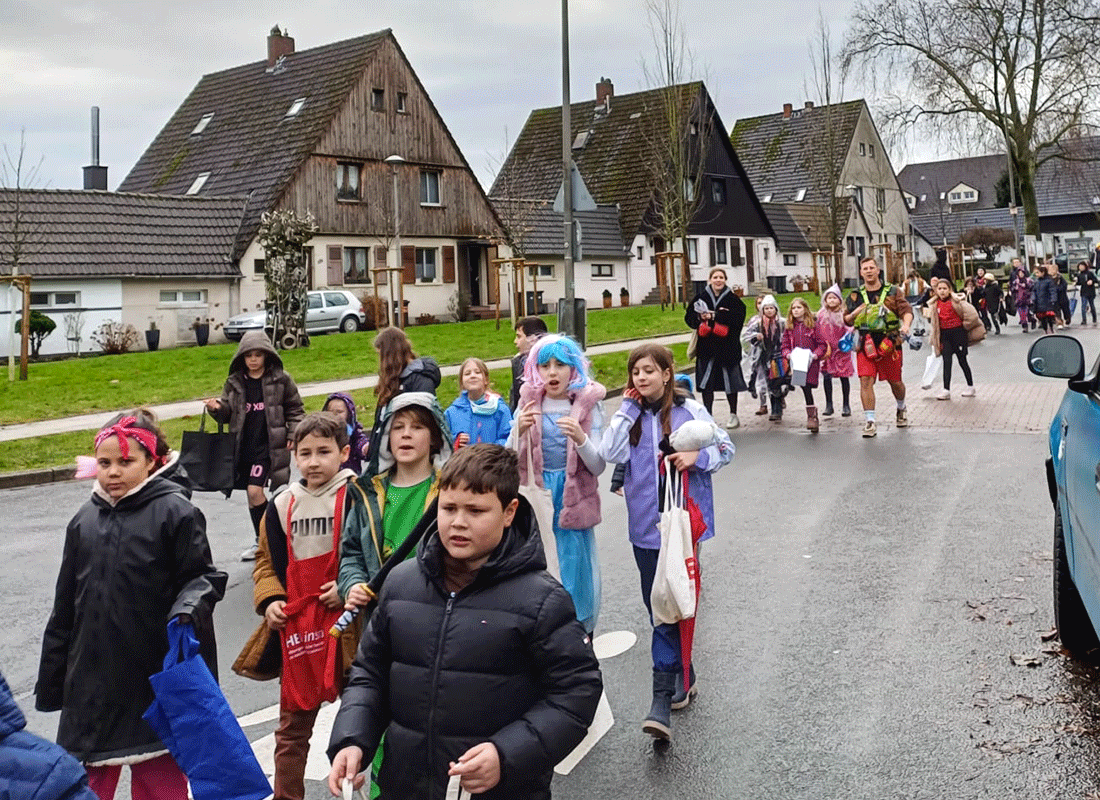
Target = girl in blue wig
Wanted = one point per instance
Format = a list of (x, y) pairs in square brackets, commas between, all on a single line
[(557, 430)]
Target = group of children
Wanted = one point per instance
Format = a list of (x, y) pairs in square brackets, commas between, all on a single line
[(476, 664)]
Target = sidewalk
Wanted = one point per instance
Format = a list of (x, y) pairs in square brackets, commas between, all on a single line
[(186, 408)]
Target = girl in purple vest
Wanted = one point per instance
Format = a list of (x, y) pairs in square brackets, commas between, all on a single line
[(558, 423), (638, 436)]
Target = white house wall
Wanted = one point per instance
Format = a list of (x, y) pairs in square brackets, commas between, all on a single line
[(142, 305), (584, 284), (97, 301)]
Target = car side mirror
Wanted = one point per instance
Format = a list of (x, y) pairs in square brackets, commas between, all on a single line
[(1056, 357)]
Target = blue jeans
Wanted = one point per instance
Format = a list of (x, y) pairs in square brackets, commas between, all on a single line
[(666, 638), (1086, 303)]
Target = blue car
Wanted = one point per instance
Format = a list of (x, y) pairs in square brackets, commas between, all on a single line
[(1073, 477)]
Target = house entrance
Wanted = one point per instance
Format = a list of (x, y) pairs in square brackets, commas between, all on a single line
[(750, 260), (473, 273)]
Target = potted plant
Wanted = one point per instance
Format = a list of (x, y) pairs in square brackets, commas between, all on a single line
[(202, 331), (607, 298), (152, 337), (799, 282), (624, 297), (739, 290)]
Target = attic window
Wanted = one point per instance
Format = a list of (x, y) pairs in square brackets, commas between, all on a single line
[(202, 124), (800, 195), (767, 198), (581, 140), (295, 107), (378, 99), (402, 103), (636, 115), (199, 182)]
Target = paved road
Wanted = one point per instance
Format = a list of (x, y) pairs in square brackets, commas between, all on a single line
[(861, 604)]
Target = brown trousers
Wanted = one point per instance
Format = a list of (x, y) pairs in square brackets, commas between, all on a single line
[(291, 750)]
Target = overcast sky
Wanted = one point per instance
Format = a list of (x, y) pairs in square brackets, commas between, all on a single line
[(485, 63)]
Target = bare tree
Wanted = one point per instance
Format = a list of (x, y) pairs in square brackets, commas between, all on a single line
[(1015, 73), (679, 131), (21, 231), (828, 142)]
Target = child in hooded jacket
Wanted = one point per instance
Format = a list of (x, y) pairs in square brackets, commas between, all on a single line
[(343, 406), (758, 379), (1021, 286), (261, 404), (135, 557), (478, 415), (638, 436), (557, 426), (802, 333), (836, 364), (767, 336)]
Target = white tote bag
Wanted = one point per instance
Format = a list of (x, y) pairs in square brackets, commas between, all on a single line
[(932, 366), (801, 358), (672, 597), (542, 503)]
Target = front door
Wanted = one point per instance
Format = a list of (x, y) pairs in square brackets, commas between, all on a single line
[(473, 273), (750, 259)]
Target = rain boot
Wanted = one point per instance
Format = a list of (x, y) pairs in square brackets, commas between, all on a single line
[(658, 723), (829, 411), (811, 419), (680, 698)]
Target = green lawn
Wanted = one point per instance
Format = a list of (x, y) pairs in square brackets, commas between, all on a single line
[(86, 385), (60, 449)]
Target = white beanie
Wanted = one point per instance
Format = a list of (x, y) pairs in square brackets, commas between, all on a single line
[(769, 300)]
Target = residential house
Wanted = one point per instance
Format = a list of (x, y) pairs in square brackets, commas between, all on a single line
[(831, 157), (97, 256), (339, 131), (612, 149)]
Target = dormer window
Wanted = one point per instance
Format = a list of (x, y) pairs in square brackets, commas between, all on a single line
[(202, 124), (198, 183), (295, 107), (800, 195)]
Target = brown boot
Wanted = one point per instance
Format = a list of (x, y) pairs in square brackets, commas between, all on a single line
[(811, 418)]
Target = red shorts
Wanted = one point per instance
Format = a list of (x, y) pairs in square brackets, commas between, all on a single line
[(886, 368)]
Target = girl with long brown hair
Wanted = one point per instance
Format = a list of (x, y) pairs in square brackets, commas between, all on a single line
[(638, 436), (399, 370)]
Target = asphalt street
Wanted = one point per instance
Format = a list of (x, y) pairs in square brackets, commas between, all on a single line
[(861, 606)]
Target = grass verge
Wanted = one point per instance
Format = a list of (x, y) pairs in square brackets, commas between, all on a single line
[(60, 449)]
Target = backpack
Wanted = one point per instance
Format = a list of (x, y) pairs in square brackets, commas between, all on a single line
[(877, 317)]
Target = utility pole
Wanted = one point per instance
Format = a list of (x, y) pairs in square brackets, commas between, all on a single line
[(568, 318)]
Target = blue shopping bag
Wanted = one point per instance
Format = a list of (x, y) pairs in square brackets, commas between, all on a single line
[(193, 719)]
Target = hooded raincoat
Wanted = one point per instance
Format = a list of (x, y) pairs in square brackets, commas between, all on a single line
[(358, 441), (128, 567)]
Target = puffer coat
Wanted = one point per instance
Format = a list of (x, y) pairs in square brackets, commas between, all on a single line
[(126, 570), (282, 404), (502, 661)]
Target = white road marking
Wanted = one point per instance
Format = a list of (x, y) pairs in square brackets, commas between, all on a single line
[(607, 645)]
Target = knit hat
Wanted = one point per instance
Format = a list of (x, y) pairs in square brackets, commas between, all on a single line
[(834, 289), (769, 300)]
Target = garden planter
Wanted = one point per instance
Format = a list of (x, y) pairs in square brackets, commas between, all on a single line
[(607, 301), (152, 340), (624, 299), (202, 334)]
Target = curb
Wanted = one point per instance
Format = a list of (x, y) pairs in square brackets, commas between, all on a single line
[(34, 477)]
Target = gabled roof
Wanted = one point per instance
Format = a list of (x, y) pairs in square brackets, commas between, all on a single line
[(955, 222), (780, 153), (612, 159), (251, 146), (932, 178), (115, 234), (1070, 187)]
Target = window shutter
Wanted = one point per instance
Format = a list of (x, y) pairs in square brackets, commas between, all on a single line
[(408, 264), (448, 263), (713, 251), (735, 252), (335, 265), (492, 271)]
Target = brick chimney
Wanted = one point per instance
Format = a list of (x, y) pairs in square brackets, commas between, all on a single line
[(605, 90), (278, 45), (787, 108), (809, 105)]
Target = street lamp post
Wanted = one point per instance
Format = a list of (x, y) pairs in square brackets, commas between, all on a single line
[(568, 318), (398, 318)]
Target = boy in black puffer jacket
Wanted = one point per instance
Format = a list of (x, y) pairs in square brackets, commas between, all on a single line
[(474, 664)]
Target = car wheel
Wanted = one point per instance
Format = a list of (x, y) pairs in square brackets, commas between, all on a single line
[(1070, 617), (349, 324)]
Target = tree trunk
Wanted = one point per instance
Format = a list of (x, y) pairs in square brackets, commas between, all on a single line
[(1025, 175)]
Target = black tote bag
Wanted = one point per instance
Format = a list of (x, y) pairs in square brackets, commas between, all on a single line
[(209, 458)]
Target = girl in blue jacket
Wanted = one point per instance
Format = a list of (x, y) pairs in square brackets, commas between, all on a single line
[(652, 409), (478, 416)]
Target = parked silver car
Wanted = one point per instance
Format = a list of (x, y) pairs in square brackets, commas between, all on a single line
[(327, 310)]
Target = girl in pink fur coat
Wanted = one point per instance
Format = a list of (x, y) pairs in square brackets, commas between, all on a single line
[(558, 421), (836, 364)]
